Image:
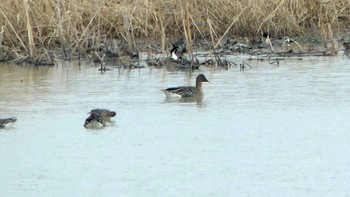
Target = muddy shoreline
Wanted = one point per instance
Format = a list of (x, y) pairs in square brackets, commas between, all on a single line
[(118, 53), (45, 32)]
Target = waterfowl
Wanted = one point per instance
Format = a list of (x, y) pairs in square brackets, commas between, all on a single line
[(5, 121), (175, 61), (105, 113), (187, 91), (173, 52), (94, 121), (267, 37), (347, 49)]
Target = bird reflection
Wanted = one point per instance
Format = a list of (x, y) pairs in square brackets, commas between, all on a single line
[(197, 99)]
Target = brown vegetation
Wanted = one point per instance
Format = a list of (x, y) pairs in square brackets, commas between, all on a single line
[(28, 27)]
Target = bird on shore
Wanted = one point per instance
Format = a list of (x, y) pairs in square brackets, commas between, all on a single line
[(176, 60), (347, 49), (173, 52), (187, 91), (6, 121), (176, 53)]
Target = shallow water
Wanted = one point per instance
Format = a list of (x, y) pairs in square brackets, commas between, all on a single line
[(267, 131)]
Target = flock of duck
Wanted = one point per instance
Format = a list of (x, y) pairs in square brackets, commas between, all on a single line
[(98, 118)]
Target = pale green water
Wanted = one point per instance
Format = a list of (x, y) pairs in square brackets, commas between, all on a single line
[(268, 131)]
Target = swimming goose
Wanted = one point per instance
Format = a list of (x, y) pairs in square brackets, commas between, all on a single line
[(94, 121), (105, 113), (5, 121), (187, 91)]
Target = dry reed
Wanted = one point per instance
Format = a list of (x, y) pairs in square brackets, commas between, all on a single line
[(28, 24)]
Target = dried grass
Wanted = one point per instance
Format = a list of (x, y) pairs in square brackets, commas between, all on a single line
[(30, 24)]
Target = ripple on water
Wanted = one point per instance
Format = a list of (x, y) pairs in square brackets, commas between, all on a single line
[(266, 130)]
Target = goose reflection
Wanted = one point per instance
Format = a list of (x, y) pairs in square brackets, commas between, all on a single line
[(197, 99)]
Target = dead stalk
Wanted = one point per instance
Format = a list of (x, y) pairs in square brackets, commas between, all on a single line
[(30, 25), (30, 31), (14, 30), (1, 36)]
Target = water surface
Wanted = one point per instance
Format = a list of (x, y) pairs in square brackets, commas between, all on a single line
[(268, 131)]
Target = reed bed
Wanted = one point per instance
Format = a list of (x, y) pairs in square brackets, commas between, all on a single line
[(29, 26)]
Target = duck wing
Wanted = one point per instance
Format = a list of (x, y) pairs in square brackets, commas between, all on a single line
[(183, 91), (104, 112), (5, 121)]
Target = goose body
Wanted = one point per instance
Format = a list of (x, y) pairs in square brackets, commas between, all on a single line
[(98, 118), (187, 91), (105, 113), (94, 121), (181, 91), (6, 121)]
